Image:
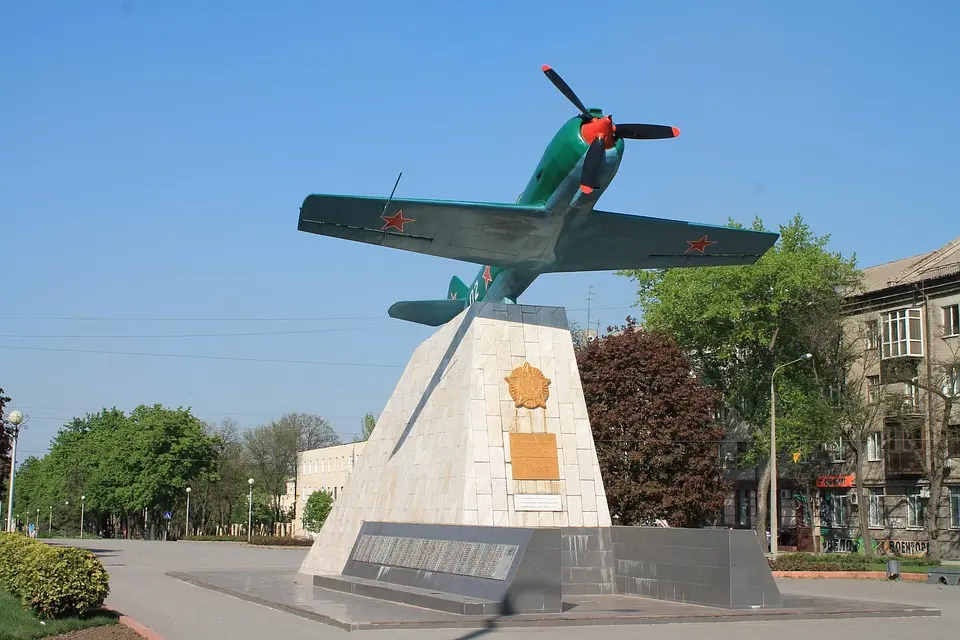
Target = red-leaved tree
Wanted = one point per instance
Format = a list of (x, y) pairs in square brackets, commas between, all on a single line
[(653, 424)]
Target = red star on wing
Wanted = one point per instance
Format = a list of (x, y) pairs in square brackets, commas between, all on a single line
[(486, 276), (699, 245), (396, 221)]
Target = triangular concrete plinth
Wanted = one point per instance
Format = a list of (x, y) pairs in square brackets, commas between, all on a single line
[(441, 450)]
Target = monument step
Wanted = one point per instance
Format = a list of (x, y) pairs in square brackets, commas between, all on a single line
[(402, 594)]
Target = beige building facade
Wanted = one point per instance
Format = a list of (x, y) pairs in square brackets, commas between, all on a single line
[(906, 316), (326, 469)]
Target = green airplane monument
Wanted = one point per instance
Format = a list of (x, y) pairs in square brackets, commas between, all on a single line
[(552, 228)]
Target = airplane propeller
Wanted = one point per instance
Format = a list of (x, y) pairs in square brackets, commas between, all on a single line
[(590, 177)]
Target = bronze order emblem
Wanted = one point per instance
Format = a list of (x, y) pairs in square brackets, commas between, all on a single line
[(529, 388)]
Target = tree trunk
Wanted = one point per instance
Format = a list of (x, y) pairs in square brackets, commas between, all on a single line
[(933, 512), (863, 502), (763, 491)]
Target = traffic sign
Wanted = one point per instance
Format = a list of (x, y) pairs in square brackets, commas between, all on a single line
[(167, 515)]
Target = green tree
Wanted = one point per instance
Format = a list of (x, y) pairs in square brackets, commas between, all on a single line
[(367, 424), (316, 510), (738, 323), (6, 437), (653, 425)]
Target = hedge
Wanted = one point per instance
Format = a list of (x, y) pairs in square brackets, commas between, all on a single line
[(274, 541), (54, 581)]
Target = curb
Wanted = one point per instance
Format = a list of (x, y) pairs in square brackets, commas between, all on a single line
[(146, 632), (848, 575)]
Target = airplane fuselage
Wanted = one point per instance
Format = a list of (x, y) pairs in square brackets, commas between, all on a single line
[(554, 185)]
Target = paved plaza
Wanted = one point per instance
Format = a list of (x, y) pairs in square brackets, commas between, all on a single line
[(180, 611)]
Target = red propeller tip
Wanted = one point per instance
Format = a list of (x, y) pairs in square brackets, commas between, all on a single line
[(676, 132), (587, 190), (545, 68)]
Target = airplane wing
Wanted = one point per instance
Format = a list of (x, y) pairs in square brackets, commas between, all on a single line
[(484, 233), (605, 241)]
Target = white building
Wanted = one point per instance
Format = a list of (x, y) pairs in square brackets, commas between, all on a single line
[(327, 469)]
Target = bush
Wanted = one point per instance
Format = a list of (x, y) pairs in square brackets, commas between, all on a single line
[(826, 562), (53, 581), (275, 541)]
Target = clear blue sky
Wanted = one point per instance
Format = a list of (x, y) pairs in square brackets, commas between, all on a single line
[(153, 157)]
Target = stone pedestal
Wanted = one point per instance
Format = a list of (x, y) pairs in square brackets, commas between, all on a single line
[(487, 426)]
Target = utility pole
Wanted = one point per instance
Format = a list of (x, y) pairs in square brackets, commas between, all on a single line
[(589, 298)]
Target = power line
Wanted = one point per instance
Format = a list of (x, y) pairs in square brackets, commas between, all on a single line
[(623, 305), (199, 357), (210, 335)]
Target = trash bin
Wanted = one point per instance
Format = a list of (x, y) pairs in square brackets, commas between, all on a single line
[(893, 569)]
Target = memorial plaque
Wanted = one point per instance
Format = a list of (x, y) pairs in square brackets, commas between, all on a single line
[(533, 456), (537, 502), (475, 559)]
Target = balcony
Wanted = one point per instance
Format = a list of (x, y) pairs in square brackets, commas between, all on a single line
[(904, 463)]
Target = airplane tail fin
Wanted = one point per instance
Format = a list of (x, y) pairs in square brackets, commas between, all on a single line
[(432, 313), (457, 289)]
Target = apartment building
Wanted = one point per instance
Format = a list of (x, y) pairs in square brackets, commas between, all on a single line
[(327, 469), (907, 318)]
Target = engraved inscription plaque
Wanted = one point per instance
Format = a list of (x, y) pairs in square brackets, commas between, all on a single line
[(533, 456), (537, 502), (474, 559)]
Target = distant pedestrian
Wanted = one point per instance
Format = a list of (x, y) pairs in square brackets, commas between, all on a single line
[(33, 530)]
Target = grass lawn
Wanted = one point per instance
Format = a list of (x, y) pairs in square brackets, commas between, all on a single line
[(16, 623)]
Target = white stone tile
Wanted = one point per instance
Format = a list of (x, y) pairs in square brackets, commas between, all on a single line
[(470, 517), (584, 464), (499, 493), (571, 475), (498, 468), (481, 450), (482, 470), (492, 399), (568, 442), (485, 510), (491, 374), (589, 495), (494, 431), (574, 511), (584, 436), (590, 519), (516, 341), (533, 353), (501, 518)]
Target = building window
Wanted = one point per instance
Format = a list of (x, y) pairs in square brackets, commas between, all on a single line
[(953, 441), (873, 388), (951, 381), (902, 333), (872, 333), (951, 320), (875, 518), (874, 446), (955, 507), (838, 508), (911, 394), (743, 507), (915, 510), (837, 451)]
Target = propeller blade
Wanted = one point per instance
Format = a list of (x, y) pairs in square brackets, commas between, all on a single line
[(565, 89), (645, 131), (590, 174)]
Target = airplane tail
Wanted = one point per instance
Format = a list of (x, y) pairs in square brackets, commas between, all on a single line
[(432, 313), (457, 289)]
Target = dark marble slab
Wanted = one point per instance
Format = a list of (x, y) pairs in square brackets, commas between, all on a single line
[(294, 593)]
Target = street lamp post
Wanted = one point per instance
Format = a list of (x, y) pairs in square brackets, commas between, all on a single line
[(250, 512), (83, 502), (15, 419), (186, 531), (50, 524), (774, 514)]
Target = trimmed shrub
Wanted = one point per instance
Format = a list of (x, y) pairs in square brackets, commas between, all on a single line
[(275, 541), (811, 562), (54, 581), (65, 581)]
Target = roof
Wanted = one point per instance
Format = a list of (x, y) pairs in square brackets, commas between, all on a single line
[(933, 264)]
